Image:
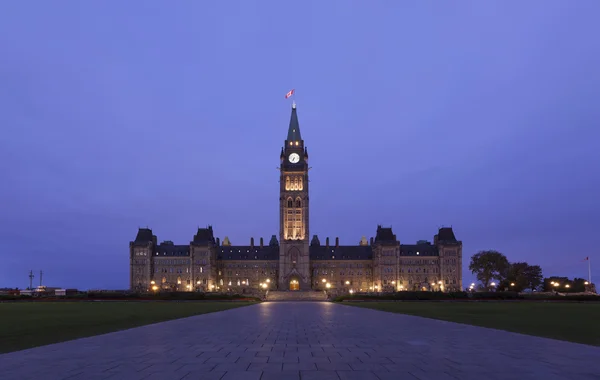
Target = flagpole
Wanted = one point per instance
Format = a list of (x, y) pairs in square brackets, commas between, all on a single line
[(590, 270), (294, 99)]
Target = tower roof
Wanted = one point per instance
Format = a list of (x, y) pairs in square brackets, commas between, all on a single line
[(294, 129)]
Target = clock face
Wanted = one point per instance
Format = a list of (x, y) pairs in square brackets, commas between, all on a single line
[(294, 158)]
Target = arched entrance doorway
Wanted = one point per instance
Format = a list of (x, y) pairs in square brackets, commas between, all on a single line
[(294, 284)]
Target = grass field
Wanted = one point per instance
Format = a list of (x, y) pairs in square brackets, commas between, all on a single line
[(574, 322), (30, 324)]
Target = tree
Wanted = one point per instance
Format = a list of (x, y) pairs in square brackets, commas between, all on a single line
[(521, 276), (534, 276), (488, 265), (514, 277)]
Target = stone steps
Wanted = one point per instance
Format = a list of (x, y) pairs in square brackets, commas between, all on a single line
[(297, 296)]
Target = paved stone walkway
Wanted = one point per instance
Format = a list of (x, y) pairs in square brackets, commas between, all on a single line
[(307, 341)]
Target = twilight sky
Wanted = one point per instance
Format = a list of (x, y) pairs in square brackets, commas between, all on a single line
[(483, 116)]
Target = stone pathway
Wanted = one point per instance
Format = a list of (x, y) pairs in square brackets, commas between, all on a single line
[(305, 341)]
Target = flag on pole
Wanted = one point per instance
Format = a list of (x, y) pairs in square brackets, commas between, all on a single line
[(586, 259), (289, 93)]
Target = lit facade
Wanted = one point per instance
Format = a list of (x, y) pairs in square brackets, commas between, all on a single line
[(291, 260)]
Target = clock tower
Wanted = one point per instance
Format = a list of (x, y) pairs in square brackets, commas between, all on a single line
[(294, 266)]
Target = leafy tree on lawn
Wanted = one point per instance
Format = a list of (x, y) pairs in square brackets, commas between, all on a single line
[(488, 265), (521, 276), (514, 277), (534, 276)]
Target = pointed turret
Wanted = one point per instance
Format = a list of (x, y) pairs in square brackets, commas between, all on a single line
[(294, 129)]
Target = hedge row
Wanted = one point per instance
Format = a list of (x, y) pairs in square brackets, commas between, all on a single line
[(173, 296), (456, 296)]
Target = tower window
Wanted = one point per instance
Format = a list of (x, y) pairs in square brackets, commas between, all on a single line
[(290, 203)]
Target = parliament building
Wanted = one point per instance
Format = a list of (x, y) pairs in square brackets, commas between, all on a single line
[(291, 260)]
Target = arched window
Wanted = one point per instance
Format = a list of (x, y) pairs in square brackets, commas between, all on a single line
[(178, 280), (164, 279), (287, 183), (221, 282), (298, 203), (290, 203)]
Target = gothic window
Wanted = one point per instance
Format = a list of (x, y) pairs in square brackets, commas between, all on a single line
[(290, 203), (298, 203), (164, 279), (287, 183)]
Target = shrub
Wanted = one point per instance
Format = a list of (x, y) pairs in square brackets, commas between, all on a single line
[(495, 295)]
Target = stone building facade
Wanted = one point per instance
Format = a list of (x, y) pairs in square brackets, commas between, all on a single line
[(292, 261)]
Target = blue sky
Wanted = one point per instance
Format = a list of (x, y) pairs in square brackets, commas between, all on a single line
[(478, 115)]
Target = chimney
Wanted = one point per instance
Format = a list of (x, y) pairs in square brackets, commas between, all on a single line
[(252, 242), (337, 242), (261, 242), (327, 242), (371, 240), (218, 242)]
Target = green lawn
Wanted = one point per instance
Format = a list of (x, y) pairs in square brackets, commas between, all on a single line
[(574, 322), (30, 324)]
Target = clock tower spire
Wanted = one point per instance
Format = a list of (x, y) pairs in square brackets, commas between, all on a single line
[(294, 267)]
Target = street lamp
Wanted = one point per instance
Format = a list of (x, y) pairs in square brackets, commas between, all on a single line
[(328, 285), (493, 284), (586, 283), (155, 288), (323, 280), (347, 282), (512, 284)]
